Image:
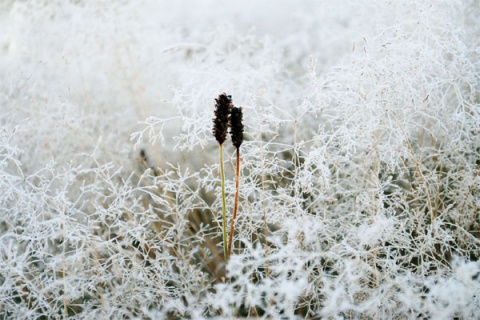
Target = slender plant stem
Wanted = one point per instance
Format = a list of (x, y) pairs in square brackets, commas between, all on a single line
[(224, 205), (235, 205)]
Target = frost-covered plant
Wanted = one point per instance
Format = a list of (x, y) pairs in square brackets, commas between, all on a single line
[(360, 163)]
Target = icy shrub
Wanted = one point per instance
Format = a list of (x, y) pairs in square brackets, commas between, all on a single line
[(360, 162)]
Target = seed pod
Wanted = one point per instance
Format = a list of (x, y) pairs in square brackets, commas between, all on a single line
[(236, 126), (223, 107)]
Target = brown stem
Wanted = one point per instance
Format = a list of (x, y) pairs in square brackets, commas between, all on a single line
[(235, 206)]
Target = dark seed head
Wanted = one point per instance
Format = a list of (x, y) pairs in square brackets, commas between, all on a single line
[(236, 126), (143, 155), (223, 107)]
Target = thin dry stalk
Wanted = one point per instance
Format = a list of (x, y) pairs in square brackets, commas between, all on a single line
[(236, 131), (223, 108), (235, 206)]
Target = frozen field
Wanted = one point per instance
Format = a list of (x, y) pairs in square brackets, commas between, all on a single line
[(360, 166)]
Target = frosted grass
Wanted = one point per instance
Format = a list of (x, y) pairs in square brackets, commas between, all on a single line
[(360, 165)]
